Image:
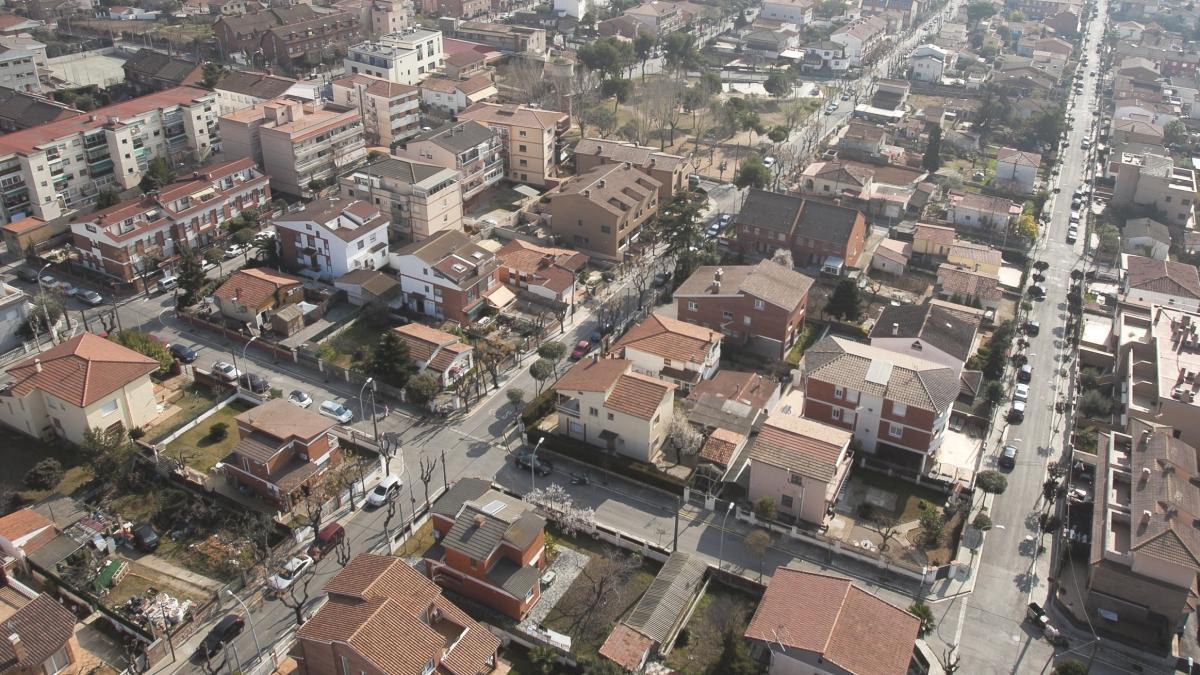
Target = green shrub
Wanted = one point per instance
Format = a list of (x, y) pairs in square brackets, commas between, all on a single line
[(218, 432), (44, 475), (539, 407), (991, 481)]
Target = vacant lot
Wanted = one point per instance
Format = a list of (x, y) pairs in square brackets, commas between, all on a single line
[(698, 648), (351, 345), (199, 449), (22, 452)]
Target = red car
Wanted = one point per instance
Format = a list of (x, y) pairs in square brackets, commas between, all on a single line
[(581, 350)]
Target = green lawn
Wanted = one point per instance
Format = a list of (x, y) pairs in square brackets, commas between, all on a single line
[(810, 335), (352, 342), (908, 506), (20, 454), (419, 542), (195, 400), (699, 645), (201, 452)]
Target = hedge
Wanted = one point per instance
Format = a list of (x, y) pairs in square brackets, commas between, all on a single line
[(539, 407), (618, 464)]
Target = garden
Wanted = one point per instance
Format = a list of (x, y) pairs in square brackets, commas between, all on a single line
[(723, 610), (211, 441)]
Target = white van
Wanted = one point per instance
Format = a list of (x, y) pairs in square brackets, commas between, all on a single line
[(167, 283)]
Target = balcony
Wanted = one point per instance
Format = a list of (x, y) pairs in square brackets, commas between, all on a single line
[(567, 406)]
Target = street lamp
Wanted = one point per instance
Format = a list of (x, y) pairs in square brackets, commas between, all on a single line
[(362, 409), (250, 620), (235, 370), (533, 464), (721, 555), (45, 312)]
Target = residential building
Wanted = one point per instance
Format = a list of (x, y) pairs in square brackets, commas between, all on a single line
[(378, 602), (757, 307), (333, 236), (603, 403), (838, 628), (21, 110), (933, 241), (23, 533), (982, 212), (1136, 131), (473, 150), (390, 112), (551, 274), (453, 95), (670, 171), (406, 57), (1155, 181), (239, 89), (825, 56), (732, 400), (860, 38), (446, 276), (1144, 548), (896, 405), (300, 144), (437, 352), (14, 309), (507, 38), (39, 631), (657, 17), (796, 12), (464, 64), (576, 8), (1146, 237), (862, 140), (149, 71), (18, 70), (928, 62), (250, 295), (1016, 170), (933, 330), (602, 212), (668, 349), (768, 39), (462, 9), (798, 463), (971, 256), (491, 547), (50, 170), (286, 34), (904, 12), (1148, 282), (282, 452), (419, 199), (969, 285), (85, 383), (129, 240), (530, 137), (892, 256), (390, 16), (819, 235)]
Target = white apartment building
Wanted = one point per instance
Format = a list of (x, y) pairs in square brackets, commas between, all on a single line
[(331, 237), (577, 8), (860, 37), (52, 169), (405, 57), (798, 12), (18, 70)]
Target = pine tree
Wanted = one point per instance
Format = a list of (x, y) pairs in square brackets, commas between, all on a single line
[(932, 161), (845, 302), (390, 361), (735, 658), (191, 279)]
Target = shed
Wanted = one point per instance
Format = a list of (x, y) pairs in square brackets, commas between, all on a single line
[(287, 321)]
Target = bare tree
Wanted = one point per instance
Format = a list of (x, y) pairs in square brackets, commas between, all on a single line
[(682, 437), (427, 467), (389, 447), (558, 506), (603, 581), (343, 549), (387, 521), (525, 78), (664, 98), (297, 594), (585, 93), (641, 273)]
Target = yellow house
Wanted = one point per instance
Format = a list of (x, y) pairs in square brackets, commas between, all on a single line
[(86, 382), (933, 241)]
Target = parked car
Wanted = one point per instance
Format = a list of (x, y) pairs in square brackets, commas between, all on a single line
[(221, 634), (540, 466), (1032, 328), (581, 349), (182, 352), (768, 162), (385, 491), (1072, 234), (27, 273), (255, 383), (67, 289), (661, 279), (1025, 374), (337, 411), (327, 539), (286, 574), (725, 219), (1037, 291), (1017, 414), (299, 398), (1021, 392), (235, 250), (91, 297), (225, 372), (167, 283), (145, 538), (1008, 457)]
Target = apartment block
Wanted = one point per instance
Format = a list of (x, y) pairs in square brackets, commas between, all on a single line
[(472, 149), (602, 212), (1154, 180), (504, 37), (405, 57), (18, 70), (447, 276), (669, 170), (237, 89), (50, 170), (390, 111), (896, 406), (419, 199), (127, 240), (285, 35), (332, 237), (1158, 359), (298, 143), (530, 137), (604, 403)]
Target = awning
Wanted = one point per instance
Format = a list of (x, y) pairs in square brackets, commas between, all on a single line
[(501, 297)]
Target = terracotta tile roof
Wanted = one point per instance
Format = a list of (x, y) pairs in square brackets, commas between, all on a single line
[(554, 268), (255, 287), (800, 445), (81, 370), (593, 374), (638, 395), (768, 281), (1161, 276), (895, 250), (837, 621), (721, 445), (20, 524), (44, 626), (626, 647), (897, 377), (934, 233), (671, 339), (435, 348), (750, 388), (518, 115), (467, 58), (977, 253), (1018, 157), (280, 419), (1000, 206), (1165, 468), (616, 188), (638, 155)]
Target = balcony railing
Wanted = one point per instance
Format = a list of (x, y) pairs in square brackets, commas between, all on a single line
[(568, 406)]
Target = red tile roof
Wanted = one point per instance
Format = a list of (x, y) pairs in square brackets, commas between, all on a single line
[(837, 621), (21, 524), (720, 446), (626, 647), (671, 338), (44, 626), (255, 287), (81, 370), (593, 374), (638, 395), (431, 346)]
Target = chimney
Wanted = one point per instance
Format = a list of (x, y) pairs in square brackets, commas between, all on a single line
[(600, 184), (479, 520), (1146, 516), (37, 365), (717, 275), (587, 194), (18, 648), (895, 329)]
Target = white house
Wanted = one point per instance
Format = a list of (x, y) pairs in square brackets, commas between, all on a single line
[(333, 236), (604, 403), (1016, 170), (577, 8), (1147, 281), (981, 211), (928, 62), (1146, 237), (406, 57), (860, 37), (798, 12), (673, 350), (123, 13)]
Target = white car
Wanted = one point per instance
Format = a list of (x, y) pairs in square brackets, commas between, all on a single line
[(235, 250), (48, 281), (299, 398), (383, 493), (91, 297), (226, 372), (288, 572), (1021, 393), (768, 162), (337, 411)]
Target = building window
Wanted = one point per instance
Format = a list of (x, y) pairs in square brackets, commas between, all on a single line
[(610, 417), (728, 316), (109, 408), (693, 306), (836, 414), (839, 393), (521, 148), (746, 320), (785, 501), (759, 304), (593, 412), (899, 409), (895, 431)]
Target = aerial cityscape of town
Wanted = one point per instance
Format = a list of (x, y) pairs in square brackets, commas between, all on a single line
[(710, 337)]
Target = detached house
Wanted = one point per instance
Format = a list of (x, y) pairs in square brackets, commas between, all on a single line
[(437, 351), (448, 277), (39, 632), (549, 273), (149, 71), (1147, 281), (982, 212), (934, 330), (331, 237), (1016, 170), (604, 403), (672, 350), (251, 295), (860, 37), (491, 547), (281, 452)]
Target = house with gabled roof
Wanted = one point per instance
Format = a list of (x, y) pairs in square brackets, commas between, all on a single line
[(448, 276), (602, 212), (604, 403), (547, 272), (1146, 237), (149, 71), (818, 234), (251, 295), (1147, 281), (934, 330), (669, 170), (437, 351), (659, 615), (39, 632), (1016, 170), (671, 350)]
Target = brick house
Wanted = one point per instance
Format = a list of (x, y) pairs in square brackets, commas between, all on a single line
[(287, 34), (760, 307), (896, 405), (150, 71), (602, 212), (282, 449), (491, 547), (817, 234), (549, 273), (384, 617)]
